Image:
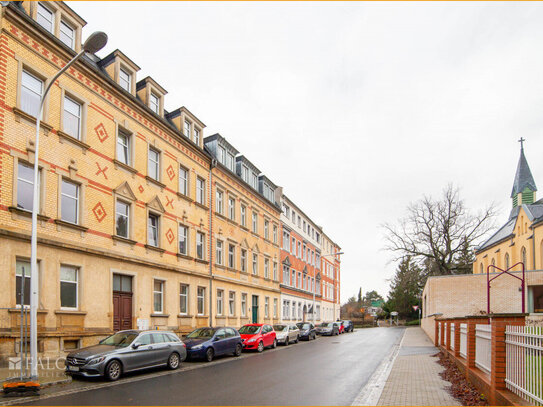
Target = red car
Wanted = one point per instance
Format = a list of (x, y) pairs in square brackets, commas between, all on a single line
[(258, 336), (340, 326)]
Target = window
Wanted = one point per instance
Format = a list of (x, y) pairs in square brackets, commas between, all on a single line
[(243, 216), (183, 298), (72, 117), (218, 260), (25, 186), (286, 307), (200, 241), (286, 240), (154, 103), (275, 276), (286, 275), (153, 164), (293, 278), (266, 268), (231, 303), (22, 267), (124, 147), (266, 307), (506, 261), (158, 296), (187, 129), (232, 208), (255, 222), (45, 18), (244, 260), (231, 256), (253, 180), (200, 190), (183, 243), (293, 217), (152, 230), (122, 219), (274, 234), (201, 297), (31, 91), (299, 251), (255, 264), (266, 229), (197, 136), (230, 161), (275, 306), (243, 305), (183, 181), (125, 80), (293, 314), (244, 173), (67, 34), (218, 202), (221, 155), (293, 247), (68, 287), (220, 295), (69, 203)]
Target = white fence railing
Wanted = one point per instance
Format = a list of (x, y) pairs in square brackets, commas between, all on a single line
[(464, 340), (452, 336), (439, 333), (483, 347), (524, 362)]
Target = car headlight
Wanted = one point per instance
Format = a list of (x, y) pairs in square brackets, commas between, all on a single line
[(251, 340), (96, 360), (197, 347)]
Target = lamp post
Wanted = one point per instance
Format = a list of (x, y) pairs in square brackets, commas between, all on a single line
[(94, 43), (315, 282)]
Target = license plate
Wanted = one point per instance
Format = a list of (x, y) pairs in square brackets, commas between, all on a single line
[(73, 368)]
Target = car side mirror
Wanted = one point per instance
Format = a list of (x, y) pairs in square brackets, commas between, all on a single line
[(136, 345)]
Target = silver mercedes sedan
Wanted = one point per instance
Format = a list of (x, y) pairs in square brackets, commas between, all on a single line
[(127, 351)]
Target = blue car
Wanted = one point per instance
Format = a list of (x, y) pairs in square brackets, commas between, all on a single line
[(206, 343)]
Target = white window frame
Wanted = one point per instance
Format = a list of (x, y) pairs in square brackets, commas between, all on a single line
[(220, 302), (219, 201), (76, 283), (161, 292), (120, 201), (219, 252), (62, 30), (183, 181), (184, 295), (185, 237), (255, 264), (231, 303), (201, 296), (243, 304), (152, 163), (232, 208), (154, 102), (126, 84), (200, 241), (39, 13), (157, 228), (200, 190), (76, 198)]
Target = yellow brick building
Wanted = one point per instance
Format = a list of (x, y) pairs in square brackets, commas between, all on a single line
[(128, 222)]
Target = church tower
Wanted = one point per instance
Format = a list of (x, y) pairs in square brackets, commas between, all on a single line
[(524, 188)]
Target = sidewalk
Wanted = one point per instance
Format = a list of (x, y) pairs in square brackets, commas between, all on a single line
[(48, 375), (414, 379)]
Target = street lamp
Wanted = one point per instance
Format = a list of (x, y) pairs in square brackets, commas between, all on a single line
[(94, 43), (315, 281)]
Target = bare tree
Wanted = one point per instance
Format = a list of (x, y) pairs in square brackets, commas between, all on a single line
[(438, 234)]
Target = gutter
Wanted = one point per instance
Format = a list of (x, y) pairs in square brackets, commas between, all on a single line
[(212, 164)]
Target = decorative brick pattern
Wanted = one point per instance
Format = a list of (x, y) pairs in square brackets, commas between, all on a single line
[(99, 212), (101, 132)]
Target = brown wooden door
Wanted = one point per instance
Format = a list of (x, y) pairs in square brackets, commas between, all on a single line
[(122, 311)]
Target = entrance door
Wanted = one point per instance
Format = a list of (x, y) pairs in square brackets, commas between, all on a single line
[(122, 302), (255, 309)]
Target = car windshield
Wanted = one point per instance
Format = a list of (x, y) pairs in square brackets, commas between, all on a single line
[(249, 329), (201, 333), (280, 328), (303, 326), (120, 339), (327, 324)]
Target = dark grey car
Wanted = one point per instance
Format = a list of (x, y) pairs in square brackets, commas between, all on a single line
[(126, 351)]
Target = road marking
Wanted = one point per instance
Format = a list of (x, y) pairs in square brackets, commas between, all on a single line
[(371, 392)]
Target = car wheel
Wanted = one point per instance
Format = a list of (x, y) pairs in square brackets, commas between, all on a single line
[(314, 336), (209, 354), (286, 341), (297, 339), (173, 361), (237, 352), (274, 344), (260, 347), (113, 370)]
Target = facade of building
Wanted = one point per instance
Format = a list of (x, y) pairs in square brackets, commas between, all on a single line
[(331, 262), (141, 224), (300, 263), (518, 242)]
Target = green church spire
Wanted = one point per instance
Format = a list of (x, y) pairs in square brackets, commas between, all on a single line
[(524, 184)]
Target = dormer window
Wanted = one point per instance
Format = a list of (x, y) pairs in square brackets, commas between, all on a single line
[(254, 179), (230, 161), (125, 80), (67, 34), (245, 173), (197, 136), (154, 103), (221, 155), (187, 129), (45, 18)]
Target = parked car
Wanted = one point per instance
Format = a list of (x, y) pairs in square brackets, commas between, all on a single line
[(341, 326), (307, 330), (127, 351), (328, 328), (286, 333), (206, 343), (348, 324), (258, 336)]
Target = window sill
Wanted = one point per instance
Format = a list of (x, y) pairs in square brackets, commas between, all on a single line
[(220, 317), (255, 235), (232, 221), (123, 240), (185, 197), (70, 312), (69, 225), (124, 166), (72, 140), (232, 269), (220, 266), (201, 261), (22, 114), (156, 182), (201, 205), (184, 316), (27, 214), (184, 256), (160, 315), (244, 228), (202, 316), (156, 249), (17, 310), (221, 216)]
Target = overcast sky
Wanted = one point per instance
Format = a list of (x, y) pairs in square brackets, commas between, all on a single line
[(356, 109)]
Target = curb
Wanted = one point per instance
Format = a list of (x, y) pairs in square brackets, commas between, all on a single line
[(49, 384)]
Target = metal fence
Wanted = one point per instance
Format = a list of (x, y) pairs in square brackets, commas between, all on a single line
[(483, 347), (464, 340), (524, 362), (452, 336)]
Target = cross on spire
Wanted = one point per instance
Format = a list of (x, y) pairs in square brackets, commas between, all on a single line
[(521, 141)]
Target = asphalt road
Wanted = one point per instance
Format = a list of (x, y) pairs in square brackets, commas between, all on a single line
[(327, 371)]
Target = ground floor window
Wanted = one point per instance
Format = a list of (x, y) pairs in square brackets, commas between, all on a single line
[(201, 300), (22, 268), (243, 305), (68, 286)]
